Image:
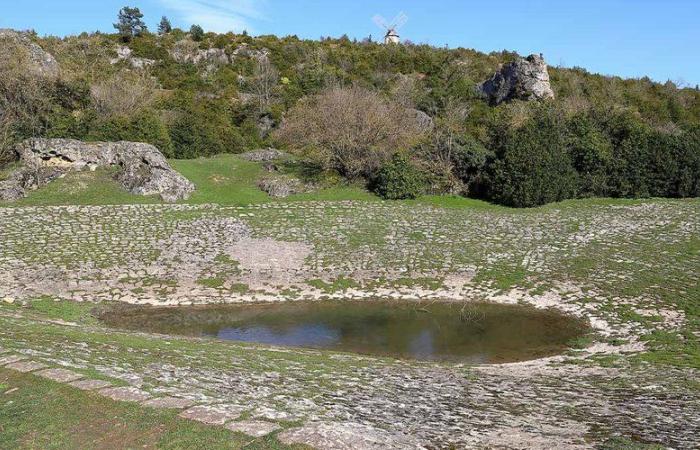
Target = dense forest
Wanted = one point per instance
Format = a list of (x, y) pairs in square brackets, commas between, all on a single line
[(404, 119)]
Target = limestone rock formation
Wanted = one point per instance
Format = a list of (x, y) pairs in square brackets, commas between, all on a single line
[(144, 170), (186, 51), (245, 51), (125, 54), (41, 62), (523, 79)]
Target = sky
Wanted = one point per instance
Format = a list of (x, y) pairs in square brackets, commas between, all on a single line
[(629, 38)]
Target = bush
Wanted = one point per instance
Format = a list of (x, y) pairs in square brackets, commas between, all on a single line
[(532, 165), (143, 127), (399, 180), (352, 130), (687, 182), (591, 154), (25, 97), (123, 93), (204, 129)]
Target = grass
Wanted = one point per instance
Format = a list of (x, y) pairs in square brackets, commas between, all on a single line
[(63, 310), (213, 283), (224, 179), (83, 188), (340, 284), (231, 180), (38, 413)]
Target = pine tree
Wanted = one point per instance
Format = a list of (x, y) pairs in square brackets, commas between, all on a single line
[(130, 23), (196, 32), (164, 27)]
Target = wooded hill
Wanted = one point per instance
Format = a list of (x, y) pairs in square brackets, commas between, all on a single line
[(405, 119)]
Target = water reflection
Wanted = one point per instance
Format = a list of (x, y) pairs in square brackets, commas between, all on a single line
[(475, 332)]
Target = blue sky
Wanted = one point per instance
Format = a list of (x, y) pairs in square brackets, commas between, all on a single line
[(630, 38)]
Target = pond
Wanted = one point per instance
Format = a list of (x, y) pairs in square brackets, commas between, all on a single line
[(472, 333)]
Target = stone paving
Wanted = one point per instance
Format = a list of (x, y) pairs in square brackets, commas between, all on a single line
[(621, 266)]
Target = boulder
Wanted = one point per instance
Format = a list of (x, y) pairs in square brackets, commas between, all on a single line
[(40, 61), (281, 186), (144, 169), (263, 155), (424, 121), (523, 79)]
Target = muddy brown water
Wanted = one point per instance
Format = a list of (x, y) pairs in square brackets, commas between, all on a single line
[(474, 333)]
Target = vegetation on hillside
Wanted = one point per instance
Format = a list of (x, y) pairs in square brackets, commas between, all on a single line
[(350, 106)]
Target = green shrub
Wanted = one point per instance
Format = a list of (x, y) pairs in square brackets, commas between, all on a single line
[(196, 33), (399, 180), (532, 165), (591, 153), (147, 46), (194, 136), (143, 127)]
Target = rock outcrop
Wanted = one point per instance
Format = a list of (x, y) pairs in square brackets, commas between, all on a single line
[(281, 186), (144, 169), (186, 51), (263, 155), (523, 79), (40, 61), (125, 54)]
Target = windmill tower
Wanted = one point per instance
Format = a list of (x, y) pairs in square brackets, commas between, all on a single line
[(392, 35)]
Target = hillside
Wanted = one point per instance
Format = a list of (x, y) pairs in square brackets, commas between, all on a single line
[(228, 93), (225, 241)]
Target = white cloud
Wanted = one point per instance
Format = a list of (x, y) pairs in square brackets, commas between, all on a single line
[(218, 15)]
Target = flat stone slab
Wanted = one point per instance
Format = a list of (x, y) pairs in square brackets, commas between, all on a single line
[(60, 375), (210, 415), (125, 394), (26, 366), (89, 385), (255, 428), (168, 403), (347, 436), (11, 359)]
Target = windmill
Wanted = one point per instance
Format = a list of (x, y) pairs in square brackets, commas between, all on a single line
[(391, 37)]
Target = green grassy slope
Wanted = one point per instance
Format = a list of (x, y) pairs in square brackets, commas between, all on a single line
[(231, 180), (65, 417)]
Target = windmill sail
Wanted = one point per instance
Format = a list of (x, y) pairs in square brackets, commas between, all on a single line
[(391, 37)]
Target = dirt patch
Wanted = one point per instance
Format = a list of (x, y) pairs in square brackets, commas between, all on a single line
[(269, 255), (218, 179)]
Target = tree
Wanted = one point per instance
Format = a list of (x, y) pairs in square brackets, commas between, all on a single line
[(130, 23), (123, 93), (352, 130), (164, 27), (265, 79), (197, 33)]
